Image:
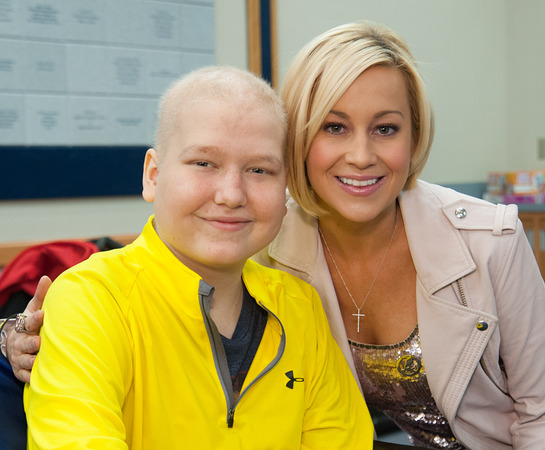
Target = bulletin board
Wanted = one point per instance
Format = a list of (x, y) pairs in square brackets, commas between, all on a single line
[(80, 82)]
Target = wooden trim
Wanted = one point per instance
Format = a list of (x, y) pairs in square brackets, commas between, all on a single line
[(9, 250), (253, 11), (274, 44), (255, 39)]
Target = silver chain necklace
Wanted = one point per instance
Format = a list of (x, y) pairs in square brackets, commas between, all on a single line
[(359, 314)]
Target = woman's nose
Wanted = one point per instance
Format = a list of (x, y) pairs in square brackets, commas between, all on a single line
[(359, 152)]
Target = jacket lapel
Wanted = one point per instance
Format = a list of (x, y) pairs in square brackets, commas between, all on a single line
[(432, 238), (441, 257)]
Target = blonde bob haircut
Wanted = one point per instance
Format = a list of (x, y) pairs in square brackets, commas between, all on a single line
[(321, 73)]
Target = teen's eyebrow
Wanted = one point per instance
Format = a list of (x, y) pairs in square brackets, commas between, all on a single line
[(270, 159), (204, 149), (196, 150)]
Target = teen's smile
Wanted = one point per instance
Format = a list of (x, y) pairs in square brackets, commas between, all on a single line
[(228, 223)]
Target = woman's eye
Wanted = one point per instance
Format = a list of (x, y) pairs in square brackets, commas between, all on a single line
[(334, 128), (387, 130), (258, 171), (202, 163)]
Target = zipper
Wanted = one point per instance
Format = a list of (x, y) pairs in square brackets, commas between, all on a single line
[(482, 362), (230, 417), (462, 293), (274, 361), (220, 359)]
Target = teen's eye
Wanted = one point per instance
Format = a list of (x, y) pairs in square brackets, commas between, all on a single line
[(334, 127), (202, 164), (259, 171), (387, 130)]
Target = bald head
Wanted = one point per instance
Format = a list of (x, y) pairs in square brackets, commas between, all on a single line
[(238, 88)]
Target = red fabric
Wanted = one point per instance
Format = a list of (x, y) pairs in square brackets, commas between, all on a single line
[(51, 259)]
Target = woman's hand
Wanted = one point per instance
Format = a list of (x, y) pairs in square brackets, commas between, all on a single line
[(22, 347)]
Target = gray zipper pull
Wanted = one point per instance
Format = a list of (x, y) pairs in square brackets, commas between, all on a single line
[(230, 417)]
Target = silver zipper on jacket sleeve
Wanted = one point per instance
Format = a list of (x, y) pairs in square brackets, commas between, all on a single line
[(220, 359), (464, 302)]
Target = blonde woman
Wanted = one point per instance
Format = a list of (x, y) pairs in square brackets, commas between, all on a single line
[(434, 297)]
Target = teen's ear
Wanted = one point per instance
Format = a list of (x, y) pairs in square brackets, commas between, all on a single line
[(149, 177)]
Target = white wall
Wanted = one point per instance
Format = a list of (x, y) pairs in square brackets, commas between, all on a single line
[(72, 218), (231, 40), (483, 61), (526, 83)]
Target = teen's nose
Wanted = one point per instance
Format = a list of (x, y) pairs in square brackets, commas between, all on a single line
[(230, 190)]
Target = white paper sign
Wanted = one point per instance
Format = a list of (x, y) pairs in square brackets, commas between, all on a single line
[(80, 72)]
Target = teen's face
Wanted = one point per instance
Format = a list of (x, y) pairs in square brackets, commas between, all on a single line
[(359, 160), (219, 185)]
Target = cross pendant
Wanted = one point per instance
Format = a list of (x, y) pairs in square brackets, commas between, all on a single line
[(358, 315)]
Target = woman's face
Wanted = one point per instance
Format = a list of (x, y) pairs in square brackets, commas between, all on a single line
[(359, 160)]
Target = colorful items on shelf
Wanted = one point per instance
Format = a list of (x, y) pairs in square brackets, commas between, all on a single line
[(522, 186)]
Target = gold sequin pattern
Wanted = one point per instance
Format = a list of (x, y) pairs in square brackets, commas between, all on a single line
[(393, 379)]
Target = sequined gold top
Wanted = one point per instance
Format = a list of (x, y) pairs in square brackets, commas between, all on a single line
[(394, 381)]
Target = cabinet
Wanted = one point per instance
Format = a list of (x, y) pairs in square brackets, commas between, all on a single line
[(534, 226)]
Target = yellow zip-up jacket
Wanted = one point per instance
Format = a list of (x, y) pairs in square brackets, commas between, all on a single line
[(131, 359)]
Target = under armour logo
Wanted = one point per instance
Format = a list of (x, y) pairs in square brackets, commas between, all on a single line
[(292, 379)]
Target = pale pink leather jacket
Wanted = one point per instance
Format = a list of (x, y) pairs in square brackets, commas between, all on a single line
[(481, 310)]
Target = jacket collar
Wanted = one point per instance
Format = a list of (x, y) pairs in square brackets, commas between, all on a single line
[(440, 256), (298, 245), (431, 236), (152, 255)]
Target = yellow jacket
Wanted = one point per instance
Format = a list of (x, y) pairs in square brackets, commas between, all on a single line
[(128, 360)]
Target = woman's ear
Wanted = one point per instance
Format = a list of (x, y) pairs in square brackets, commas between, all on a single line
[(149, 177)]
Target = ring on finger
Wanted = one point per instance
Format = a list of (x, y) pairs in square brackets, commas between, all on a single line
[(20, 324)]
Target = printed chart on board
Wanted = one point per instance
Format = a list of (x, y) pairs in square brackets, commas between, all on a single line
[(80, 72)]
